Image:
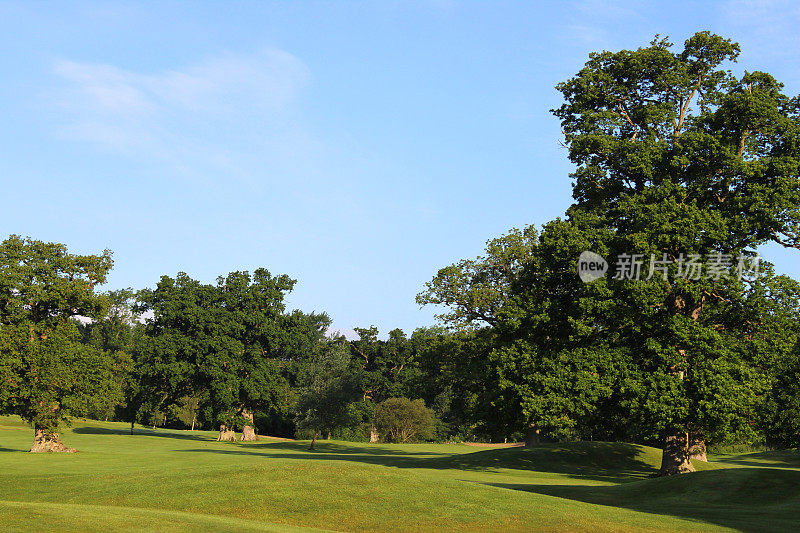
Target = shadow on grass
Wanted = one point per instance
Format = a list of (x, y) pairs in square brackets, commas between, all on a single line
[(349, 447), (324, 448), (606, 461), (745, 499), (611, 462), (172, 434), (777, 459)]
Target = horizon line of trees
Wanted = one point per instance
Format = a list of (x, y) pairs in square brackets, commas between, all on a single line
[(675, 156), (229, 357)]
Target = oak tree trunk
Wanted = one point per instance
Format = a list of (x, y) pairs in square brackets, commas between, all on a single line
[(248, 434), (532, 438), (697, 449), (675, 458), (373, 434), (226, 434), (47, 440)]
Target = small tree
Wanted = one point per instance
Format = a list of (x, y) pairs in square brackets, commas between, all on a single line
[(325, 390), (401, 420)]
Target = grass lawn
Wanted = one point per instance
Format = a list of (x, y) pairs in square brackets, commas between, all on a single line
[(166, 480)]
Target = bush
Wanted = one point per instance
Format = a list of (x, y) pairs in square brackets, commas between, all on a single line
[(404, 420)]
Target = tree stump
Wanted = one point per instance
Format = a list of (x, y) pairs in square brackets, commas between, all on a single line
[(48, 441), (226, 434), (697, 450), (248, 434)]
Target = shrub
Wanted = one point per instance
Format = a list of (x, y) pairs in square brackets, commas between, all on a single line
[(404, 420)]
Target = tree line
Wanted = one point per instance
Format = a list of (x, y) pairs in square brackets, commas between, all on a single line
[(676, 158), (190, 355)]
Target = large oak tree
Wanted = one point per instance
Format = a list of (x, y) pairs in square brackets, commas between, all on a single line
[(47, 375), (678, 156)]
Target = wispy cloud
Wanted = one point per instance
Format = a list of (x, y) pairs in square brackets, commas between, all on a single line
[(195, 108)]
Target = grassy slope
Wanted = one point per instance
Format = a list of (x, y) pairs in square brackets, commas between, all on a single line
[(171, 480)]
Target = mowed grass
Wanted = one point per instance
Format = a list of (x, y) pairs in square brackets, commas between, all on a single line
[(166, 480)]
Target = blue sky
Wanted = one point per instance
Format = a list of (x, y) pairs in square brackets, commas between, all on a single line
[(356, 146)]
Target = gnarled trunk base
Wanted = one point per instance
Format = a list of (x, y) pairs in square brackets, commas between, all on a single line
[(226, 434), (48, 441), (248, 434), (675, 457), (697, 450)]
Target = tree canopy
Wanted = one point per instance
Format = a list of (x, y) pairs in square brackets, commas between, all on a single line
[(47, 374), (682, 171), (231, 343)]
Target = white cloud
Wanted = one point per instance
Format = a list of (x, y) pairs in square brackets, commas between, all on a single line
[(105, 87), (193, 109)]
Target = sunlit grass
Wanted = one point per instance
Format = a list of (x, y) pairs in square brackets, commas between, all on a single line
[(177, 480)]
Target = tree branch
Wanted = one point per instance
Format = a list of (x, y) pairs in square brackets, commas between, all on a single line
[(786, 244)]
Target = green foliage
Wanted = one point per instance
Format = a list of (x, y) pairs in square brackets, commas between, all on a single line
[(46, 373), (404, 420), (230, 344), (383, 369), (325, 390), (475, 291), (783, 410), (117, 332), (677, 156)]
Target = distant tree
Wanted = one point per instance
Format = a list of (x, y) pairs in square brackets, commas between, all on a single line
[(458, 377), (783, 418), (383, 368), (231, 344), (475, 291), (769, 334), (47, 374), (539, 369), (116, 332), (325, 390), (402, 420)]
